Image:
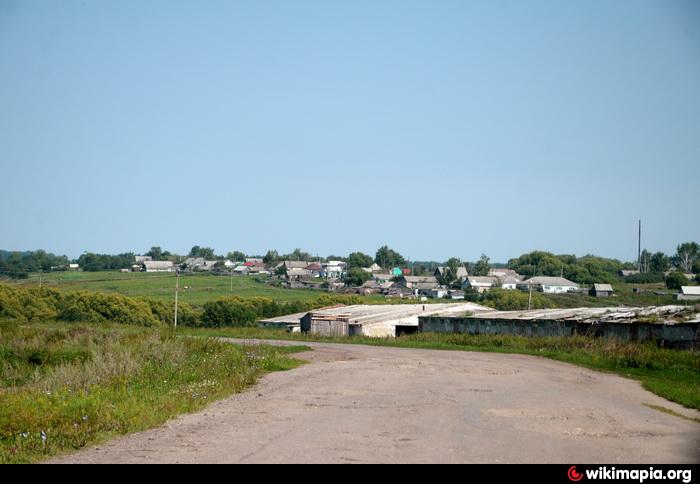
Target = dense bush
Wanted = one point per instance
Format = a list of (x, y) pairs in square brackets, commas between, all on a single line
[(82, 306), (588, 269), (646, 278), (241, 312), (510, 300), (675, 280), (48, 304)]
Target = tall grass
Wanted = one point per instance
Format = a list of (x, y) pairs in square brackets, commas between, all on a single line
[(64, 388)]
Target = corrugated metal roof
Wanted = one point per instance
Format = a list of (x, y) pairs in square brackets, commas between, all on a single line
[(690, 290), (550, 281), (603, 287)]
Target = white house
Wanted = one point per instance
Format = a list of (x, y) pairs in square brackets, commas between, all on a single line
[(480, 283), (549, 285), (332, 271), (508, 282), (689, 293)]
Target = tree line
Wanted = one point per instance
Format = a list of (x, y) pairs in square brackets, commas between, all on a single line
[(587, 269)]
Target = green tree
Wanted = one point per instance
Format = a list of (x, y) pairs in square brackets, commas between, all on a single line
[(659, 262), (359, 260), (448, 277), (156, 253), (675, 280), (356, 277), (271, 257), (686, 255), (483, 266), (236, 256), (388, 258), (203, 252), (644, 260)]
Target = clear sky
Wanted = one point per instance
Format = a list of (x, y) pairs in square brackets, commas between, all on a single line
[(439, 127)]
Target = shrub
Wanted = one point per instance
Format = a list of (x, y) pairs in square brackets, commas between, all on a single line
[(510, 300), (646, 278), (675, 280)]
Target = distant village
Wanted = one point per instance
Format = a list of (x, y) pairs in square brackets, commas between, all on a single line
[(393, 282)]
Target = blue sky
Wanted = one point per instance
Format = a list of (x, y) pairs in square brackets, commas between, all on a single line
[(441, 128)]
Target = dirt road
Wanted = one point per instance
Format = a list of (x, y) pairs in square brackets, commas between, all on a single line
[(373, 404)]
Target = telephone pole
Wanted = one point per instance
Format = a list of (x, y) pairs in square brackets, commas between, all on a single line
[(177, 289), (639, 247)]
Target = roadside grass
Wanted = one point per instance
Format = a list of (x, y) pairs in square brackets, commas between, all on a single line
[(670, 373), (68, 386)]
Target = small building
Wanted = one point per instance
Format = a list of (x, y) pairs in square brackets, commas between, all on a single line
[(480, 283), (507, 282), (457, 295), (333, 270), (242, 270), (549, 285), (159, 266), (627, 273), (315, 268), (140, 259), (461, 275), (601, 290), (73, 267), (298, 273), (373, 269), (689, 293), (502, 272), (412, 282)]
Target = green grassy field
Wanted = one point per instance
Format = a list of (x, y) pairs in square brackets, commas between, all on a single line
[(672, 374), (204, 287), (68, 386), (201, 287)]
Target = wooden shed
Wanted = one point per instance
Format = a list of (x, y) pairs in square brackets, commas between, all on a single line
[(602, 290)]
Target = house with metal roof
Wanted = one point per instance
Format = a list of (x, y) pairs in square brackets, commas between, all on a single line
[(480, 283), (601, 290), (159, 266), (549, 285), (689, 293)]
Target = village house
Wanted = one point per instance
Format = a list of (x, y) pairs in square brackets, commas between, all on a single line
[(241, 270), (159, 266), (333, 270), (502, 273), (315, 268), (373, 269), (548, 285), (461, 275), (601, 290), (479, 283), (411, 282), (508, 282), (689, 293)]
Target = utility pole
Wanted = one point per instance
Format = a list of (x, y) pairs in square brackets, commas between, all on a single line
[(529, 299), (639, 247), (177, 289)]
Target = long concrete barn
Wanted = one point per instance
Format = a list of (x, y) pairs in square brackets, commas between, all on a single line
[(380, 320), (668, 325)]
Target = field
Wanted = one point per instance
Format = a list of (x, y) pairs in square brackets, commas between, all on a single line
[(68, 386), (195, 289)]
